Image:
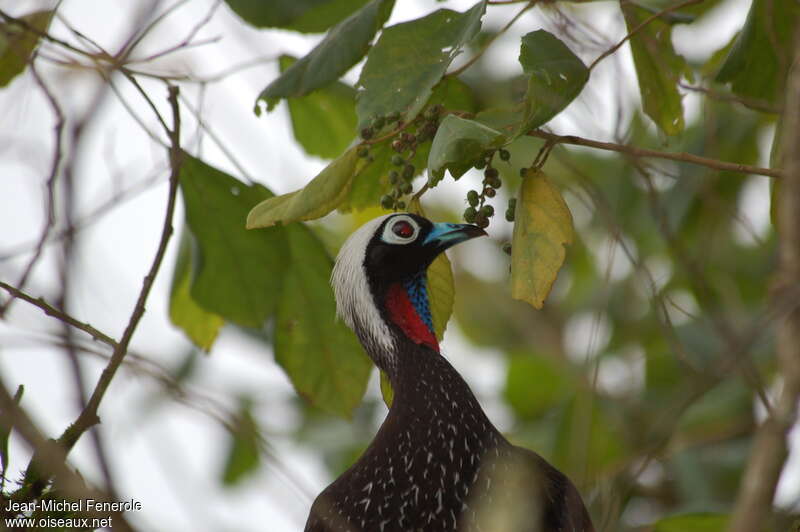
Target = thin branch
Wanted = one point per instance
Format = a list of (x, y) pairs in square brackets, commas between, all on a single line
[(644, 152), (58, 131), (757, 490), (50, 310), (641, 26), (488, 43), (52, 457), (88, 417)]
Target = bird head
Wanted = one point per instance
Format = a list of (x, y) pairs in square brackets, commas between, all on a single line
[(380, 280)]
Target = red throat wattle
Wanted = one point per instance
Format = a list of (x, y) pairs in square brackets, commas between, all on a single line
[(404, 315)]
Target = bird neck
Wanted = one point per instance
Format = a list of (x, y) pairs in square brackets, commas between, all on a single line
[(408, 309)]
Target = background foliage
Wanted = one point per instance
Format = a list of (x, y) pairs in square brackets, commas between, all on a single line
[(649, 356)]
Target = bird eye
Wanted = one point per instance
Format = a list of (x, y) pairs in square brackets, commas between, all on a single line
[(403, 229)]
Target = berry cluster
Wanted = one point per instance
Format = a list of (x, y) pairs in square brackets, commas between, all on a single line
[(405, 147), (479, 211)]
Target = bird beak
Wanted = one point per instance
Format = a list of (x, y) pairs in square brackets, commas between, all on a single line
[(442, 236)]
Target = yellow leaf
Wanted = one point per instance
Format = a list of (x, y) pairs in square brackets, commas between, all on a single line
[(543, 227), (319, 197)]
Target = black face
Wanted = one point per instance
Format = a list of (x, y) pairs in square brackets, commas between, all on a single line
[(406, 244)]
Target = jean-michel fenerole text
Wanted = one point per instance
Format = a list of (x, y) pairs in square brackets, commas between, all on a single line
[(81, 505)]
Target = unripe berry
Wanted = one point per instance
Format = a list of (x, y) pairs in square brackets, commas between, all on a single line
[(472, 198), (398, 160), (367, 133), (481, 220), (504, 155), (491, 173), (507, 248), (469, 214), (394, 177), (408, 171), (378, 122), (494, 182), (487, 210), (406, 188), (387, 202), (401, 205)]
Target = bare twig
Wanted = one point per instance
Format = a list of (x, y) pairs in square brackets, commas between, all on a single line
[(88, 417), (488, 43), (769, 452), (644, 152), (641, 26)]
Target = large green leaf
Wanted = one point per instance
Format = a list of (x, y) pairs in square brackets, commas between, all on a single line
[(17, 44), (458, 144), (410, 58), (243, 451), (557, 76), (759, 60), (658, 68), (372, 181), (308, 16), (322, 357), (343, 46), (319, 197), (200, 325), (323, 122), (236, 273), (706, 522), (543, 226)]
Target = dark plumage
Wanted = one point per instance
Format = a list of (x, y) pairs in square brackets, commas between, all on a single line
[(437, 462)]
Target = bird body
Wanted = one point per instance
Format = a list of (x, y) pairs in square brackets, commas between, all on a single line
[(437, 462)]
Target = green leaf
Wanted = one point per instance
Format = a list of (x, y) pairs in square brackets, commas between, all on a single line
[(307, 16), (410, 58), (323, 122), (243, 454), (441, 288), (322, 357), (343, 46), (535, 384), (557, 76), (386, 390), (237, 274), (658, 68), (199, 325), (542, 228), (372, 180), (458, 144), (5, 432), (758, 62), (700, 522), (319, 197), (17, 44), (453, 94)]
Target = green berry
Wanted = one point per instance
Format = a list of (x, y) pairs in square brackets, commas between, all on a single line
[(362, 151), (406, 188), (378, 122), (523, 172), (504, 155), (480, 164), (387, 202), (481, 220), (494, 182), (367, 133), (510, 215), (398, 160), (512, 203), (408, 171), (394, 177), (487, 210), (472, 198), (491, 173), (507, 248), (469, 214), (401, 205)]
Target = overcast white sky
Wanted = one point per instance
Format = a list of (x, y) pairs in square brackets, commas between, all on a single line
[(169, 458)]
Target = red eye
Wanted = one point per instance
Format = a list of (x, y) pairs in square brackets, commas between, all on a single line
[(403, 229)]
